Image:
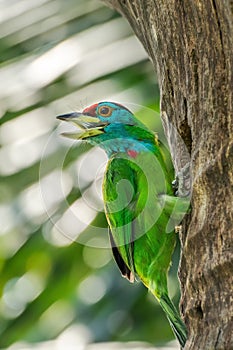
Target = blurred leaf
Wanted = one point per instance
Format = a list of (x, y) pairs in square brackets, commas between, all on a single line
[(58, 56)]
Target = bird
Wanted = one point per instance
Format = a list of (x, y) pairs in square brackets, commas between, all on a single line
[(141, 208)]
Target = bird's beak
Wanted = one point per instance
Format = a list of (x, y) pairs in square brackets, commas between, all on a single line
[(88, 126)]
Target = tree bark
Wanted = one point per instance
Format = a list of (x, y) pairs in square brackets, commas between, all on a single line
[(190, 44)]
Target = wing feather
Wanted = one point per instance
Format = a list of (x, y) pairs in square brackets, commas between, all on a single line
[(125, 271), (120, 197)]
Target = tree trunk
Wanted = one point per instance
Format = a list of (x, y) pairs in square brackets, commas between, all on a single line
[(190, 44)]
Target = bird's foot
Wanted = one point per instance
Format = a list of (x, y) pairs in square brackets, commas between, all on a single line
[(175, 186), (182, 183), (178, 229)]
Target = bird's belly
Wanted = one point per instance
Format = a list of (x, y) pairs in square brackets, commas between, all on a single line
[(152, 254)]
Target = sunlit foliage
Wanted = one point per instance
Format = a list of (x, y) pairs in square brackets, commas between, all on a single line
[(57, 276)]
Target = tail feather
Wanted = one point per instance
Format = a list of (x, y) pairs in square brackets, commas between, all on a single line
[(174, 319)]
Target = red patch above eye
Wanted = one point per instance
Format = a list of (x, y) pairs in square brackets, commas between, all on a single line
[(132, 153), (91, 110)]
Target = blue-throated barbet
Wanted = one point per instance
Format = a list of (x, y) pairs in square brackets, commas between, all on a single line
[(139, 203)]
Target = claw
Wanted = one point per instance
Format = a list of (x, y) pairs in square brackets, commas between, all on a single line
[(175, 186)]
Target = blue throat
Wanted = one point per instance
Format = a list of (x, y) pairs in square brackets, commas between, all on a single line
[(121, 138)]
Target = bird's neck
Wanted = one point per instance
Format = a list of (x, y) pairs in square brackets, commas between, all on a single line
[(125, 139), (129, 147)]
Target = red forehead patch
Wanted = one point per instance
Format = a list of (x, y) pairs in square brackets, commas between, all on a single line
[(91, 110)]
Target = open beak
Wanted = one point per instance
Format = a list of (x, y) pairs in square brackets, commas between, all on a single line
[(87, 125)]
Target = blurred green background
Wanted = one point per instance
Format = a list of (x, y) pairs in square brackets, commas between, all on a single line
[(58, 279)]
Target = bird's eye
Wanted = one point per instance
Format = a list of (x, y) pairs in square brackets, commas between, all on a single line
[(105, 111)]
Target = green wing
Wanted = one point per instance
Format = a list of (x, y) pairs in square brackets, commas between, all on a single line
[(120, 197), (130, 192)]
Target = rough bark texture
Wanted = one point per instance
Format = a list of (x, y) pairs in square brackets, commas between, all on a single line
[(190, 44)]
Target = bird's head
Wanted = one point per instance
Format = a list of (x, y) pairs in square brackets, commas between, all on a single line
[(111, 126), (98, 119)]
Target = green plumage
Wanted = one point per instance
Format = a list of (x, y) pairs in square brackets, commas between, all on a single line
[(139, 214), (139, 203)]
